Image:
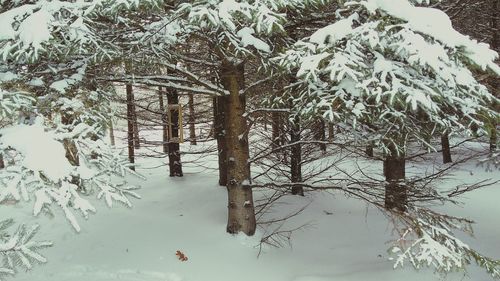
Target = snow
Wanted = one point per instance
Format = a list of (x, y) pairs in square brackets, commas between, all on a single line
[(332, 33), (345, 240), (7, 76), (34, 29), (440, 28), (309, 64), (39, 148), (247, 39)]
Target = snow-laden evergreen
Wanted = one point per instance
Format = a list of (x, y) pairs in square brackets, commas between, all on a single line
[(382, 69), (388, 71), (385, 67), (18, 250), (55, 114)]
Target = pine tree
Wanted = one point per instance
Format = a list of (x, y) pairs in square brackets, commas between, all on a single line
[(378, 69)]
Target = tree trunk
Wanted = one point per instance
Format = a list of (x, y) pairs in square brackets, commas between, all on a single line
[(369, 149), (130, 125), (192, 129), (241, 213), (219, 104), (320, 134), (495, 82), (493, 138), (396, 193), (164, 121), (276, 125), (2, 163), (174, 154), (111, 133), (69, 144), (264, 120), (331, 132), (445, 147), (296, 157), (137, 143)]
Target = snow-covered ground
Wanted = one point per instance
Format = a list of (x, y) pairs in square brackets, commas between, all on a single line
[(344, 239)]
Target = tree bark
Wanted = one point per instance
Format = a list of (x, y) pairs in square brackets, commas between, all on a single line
[(493, 138), (219, 105), (241, 213), (164, 121), (331, 132), (2, 163), (396, 193), (369, 149), (445, 147), (192, 129), (296, 157), (111, 133), (174, 154), (320, 134), (276, 125), (495, 84), (130, 125), (69, 144), (137, 143)]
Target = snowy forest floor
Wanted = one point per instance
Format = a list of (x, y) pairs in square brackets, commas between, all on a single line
[(344, 239)]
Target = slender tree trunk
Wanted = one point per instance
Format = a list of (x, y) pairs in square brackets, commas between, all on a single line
[(445, 147), (275, 126), (320, 134), (192, 129), (111, 133), (174, 154), (69, 144), (369, 149), (296, 157), (241, 213), (493, 138), (2, 163), (130, 125), (396, 193), (137, 143), (331, 132), (264, 120), (495, 83), (219, 105), (164, 121)]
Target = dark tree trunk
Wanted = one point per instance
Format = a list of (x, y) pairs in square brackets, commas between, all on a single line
[(493, 138), (396, 193), (164, 120), (219, 105), (111, 133), (241, 213), (445, 147), (174, 154), (320, 134), (264, 120), (495, 83), (130, 125), (192, 129), (69, 144), (2, 163), (137, 143), (369, 149), (275, 126), (331, 132), (296, 157)]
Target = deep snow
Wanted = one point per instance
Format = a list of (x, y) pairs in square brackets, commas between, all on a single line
[(344, 240)]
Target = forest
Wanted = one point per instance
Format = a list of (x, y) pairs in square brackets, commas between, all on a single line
[(257, 124)]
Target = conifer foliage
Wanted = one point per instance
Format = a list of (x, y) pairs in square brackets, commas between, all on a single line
[(380, 68)]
